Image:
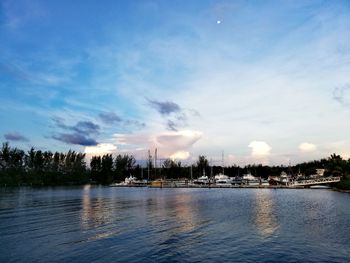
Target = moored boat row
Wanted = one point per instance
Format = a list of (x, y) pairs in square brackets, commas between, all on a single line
[(222, 180)]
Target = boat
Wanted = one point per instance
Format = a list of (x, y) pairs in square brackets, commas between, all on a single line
[(157, 183), (249, 179), (282, 179), (221, 179), (130, 180), (236, 180), (203, 180)]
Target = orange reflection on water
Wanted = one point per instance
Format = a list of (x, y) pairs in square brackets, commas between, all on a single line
[(184, 214), (95, 211), (265, 221)]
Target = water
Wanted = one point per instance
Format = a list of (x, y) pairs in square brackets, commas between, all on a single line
[(105, 224)]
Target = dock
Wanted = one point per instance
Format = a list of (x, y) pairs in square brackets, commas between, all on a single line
[(301, 184)]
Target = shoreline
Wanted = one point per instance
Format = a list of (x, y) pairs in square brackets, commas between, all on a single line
[(341, 190), (188, 186), (226, 187)]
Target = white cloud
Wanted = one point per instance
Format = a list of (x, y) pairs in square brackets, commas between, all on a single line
[(100, 149), (180, 155), (175, 144), (259, 148), (131, 139), (307, 147), (178, 139)]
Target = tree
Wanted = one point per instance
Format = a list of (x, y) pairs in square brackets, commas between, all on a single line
[(107, 169), (123, 166), (5, 155), (171, 168), (96, 168), (11, 164), (336, 165), (202, 165)]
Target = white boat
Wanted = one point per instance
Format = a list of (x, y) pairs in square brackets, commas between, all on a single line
[(249, 179), (130, 180), (221, 179), (284, 178), (202, 180)]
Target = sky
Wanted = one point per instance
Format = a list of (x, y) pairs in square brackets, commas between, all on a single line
[(260, 81)]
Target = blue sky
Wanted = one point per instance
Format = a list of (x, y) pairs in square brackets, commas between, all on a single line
[(263, 81)]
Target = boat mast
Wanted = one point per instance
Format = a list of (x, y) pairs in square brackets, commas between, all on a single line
[(149, 163), (223, 169), (191, 172), (155, 163)]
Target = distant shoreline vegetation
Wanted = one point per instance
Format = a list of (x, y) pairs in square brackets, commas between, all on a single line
[(46, 168)]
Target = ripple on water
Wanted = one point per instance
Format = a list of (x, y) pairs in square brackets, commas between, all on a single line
[(173, 225)]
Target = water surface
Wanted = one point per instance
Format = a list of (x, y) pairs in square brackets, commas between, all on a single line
[(106, 224)]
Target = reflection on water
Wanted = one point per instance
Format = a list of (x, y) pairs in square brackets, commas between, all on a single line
[(265, 220), (107, 224), (86, 212), (96, 211), (177, 212), (184, 214)]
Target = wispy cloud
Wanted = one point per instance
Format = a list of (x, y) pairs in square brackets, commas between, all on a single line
[(75, 138), (135, 123), (110, 117), (15, 136), (18, 13), (176, 117), (171, 125), (13, 71), (165, 107), (80, 135), (22, 73), (87, 127), (342, 95)]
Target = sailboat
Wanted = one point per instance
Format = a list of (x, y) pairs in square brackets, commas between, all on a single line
[(203, 180), (221, 178)]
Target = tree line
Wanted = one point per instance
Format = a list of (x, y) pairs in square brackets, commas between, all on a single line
[(37, 167)]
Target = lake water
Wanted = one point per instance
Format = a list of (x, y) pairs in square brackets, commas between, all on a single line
[(107, 224)]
